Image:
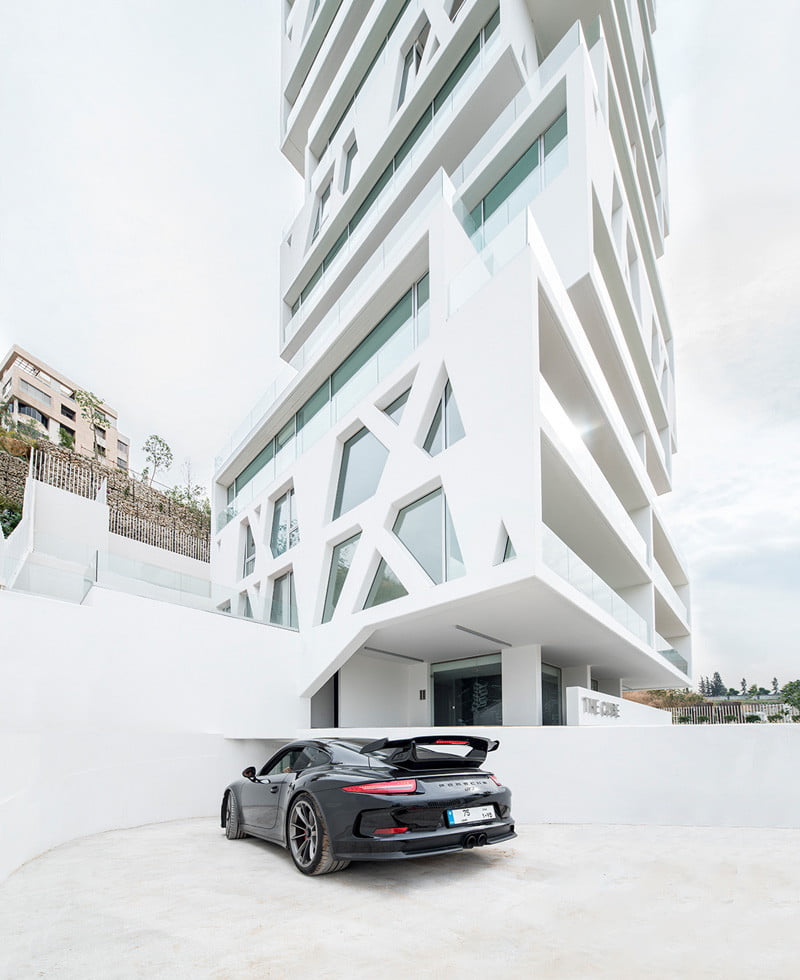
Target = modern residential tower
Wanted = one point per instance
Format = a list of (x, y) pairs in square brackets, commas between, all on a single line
[(454, 501)]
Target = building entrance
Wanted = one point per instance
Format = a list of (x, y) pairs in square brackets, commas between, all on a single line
[(551, 695), (468, 692)]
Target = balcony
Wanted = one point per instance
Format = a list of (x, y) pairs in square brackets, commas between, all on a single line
[(561, 559)]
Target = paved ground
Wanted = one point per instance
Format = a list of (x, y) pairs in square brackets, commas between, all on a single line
[(178, 900)]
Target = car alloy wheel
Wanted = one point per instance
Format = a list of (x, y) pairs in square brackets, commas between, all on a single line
[(304, 834)]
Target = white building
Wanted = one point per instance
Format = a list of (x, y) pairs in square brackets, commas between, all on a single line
[(454, 501)]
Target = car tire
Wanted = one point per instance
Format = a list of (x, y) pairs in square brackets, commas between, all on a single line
[(232, 829), (307, 838)]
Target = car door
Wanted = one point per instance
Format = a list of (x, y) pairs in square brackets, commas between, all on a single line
[(262, 799)]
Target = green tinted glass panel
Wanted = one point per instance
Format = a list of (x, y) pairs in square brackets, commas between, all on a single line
[(315, 404), (385, 587), (285, 533), (335, 249), (507, 184), (370, 199), (421, 529), (283, 610), (491, 25), (434, 441), (395, 410), (413, 136), (454, 562), (456, 75), (310, 284), (454, 427), (508, 551), (423, 290), (258, 464), (341, 560), (555, 133), (363, 459), (284, 436), (372, 343)]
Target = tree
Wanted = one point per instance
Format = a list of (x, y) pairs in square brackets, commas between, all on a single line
[(67, 439), (158, 455), (92, 413), (190, 494), (763, 692), (717, 687), (744, 687), (775, 685), (753, 691), (791, 693), (5, 414), (732, 692)]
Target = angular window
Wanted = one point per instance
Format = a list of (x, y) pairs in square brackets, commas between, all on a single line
[(285, 532), (283, 611), (363, 459), (426, 529), (447, 427), (508, 551), (395, 409), (322, 210), (412, 62), (245, 609), (341, 560), (350, 156), (249, 562), (455, 6), (385, 587)]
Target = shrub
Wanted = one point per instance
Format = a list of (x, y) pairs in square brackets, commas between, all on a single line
[(702, 719), (10, 514), (753, 719), (774, 718), (729, 718), (684, 719)]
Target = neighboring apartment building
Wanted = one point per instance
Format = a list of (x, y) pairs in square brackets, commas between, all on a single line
[(454, 502), (43, 400)]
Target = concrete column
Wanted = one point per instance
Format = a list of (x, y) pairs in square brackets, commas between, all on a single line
[(522, 685)]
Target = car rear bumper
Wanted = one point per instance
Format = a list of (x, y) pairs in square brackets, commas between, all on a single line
[(424, 845)]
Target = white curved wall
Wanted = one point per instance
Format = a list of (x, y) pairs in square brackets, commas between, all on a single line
[(115, 713)]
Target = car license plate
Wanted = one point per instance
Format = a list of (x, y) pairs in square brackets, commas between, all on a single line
[(470, 814)]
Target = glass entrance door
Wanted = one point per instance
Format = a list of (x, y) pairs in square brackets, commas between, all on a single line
[(468, 692), (551, 695)]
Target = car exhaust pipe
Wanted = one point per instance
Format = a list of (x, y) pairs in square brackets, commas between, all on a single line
[(481, 839), (469, 841)]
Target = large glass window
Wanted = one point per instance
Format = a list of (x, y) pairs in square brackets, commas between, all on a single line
[(285, 532), (283, 611), (438, 103), (363, 459), (341, 560), (551, 695), (446, 427), (395, 409), (385, 587), (521, 183), (468, 692), (398, 333), (249, 562), (426, 529), (349, 158), (412, 61)]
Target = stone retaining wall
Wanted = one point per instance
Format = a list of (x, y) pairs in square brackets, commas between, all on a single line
[(13, 472)]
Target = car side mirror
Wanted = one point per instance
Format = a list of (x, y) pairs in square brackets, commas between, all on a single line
[(249, 773)]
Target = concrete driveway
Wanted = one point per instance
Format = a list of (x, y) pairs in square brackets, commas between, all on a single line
[(178, 900)]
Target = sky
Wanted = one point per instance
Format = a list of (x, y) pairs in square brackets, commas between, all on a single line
[(143, 198)]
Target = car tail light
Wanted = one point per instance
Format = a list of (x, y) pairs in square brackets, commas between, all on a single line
[(450, 741), (495, 780), (391, 830), (388, 787)]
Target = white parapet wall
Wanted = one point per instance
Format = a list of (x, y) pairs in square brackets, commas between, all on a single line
[(585, 707)]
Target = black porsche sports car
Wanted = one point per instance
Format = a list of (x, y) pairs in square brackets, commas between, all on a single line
[(331, 801)]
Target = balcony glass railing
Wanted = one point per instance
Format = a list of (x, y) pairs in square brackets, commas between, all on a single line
[(668, 652), (559, 557), (667, 589)]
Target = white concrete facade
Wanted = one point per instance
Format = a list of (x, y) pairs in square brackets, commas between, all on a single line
[(483, 412)]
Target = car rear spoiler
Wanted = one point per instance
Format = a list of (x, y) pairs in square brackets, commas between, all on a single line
[(406, 750)]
